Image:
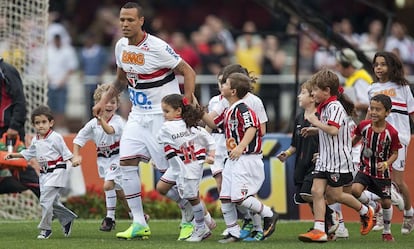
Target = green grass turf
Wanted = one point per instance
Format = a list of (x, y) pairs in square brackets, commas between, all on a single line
[(85, 234)]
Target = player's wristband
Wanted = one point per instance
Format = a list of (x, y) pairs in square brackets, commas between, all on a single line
[(386, 165), (288, 153)]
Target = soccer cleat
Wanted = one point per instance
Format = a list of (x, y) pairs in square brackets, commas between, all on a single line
[(367, 221), (314, 235), (387, 237), (107, 224), (44, 234), (228, 239), (269, 224), (379, 221), (199, 234), (408, 225), (186, 230), (136, 230), (246, 228), (342, 233), (396, 197), (255, 236), (212, 224), (67, 229)]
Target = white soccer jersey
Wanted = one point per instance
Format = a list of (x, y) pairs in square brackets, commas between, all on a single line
[(402, 106), (251, 100), (149, 68), (335, 151), (189, 145), (107, 145), (53, 157)]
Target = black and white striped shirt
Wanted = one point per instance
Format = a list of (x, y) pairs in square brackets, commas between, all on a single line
[(335, 151)]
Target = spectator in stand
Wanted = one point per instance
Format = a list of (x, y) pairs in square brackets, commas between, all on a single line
[(93, 62), (273, 62), (249, 51), (347, 32), (181, 46), (221, 33), (372, 41), (62, 63), (400, 41), (217, 59)]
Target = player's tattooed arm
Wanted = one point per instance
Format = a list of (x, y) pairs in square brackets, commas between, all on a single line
[(120, 82), (189, 78)]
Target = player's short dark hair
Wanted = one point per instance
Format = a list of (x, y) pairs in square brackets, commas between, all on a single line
[(133, 5), (42, 110), (384, 100)]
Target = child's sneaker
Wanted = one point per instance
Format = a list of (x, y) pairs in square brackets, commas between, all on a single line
[(246, 229), (136, 230), (408, 225), (186, 229), (228, 239), (107, 224), (44, 234), (212, 224), (269, 224), (255, 236), (342, 233), (199, 234), (367, 221), (67, 229), (387, 237), (379, 221), (314, 235)]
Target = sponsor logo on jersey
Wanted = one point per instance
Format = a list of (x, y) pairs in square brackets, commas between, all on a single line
[(139, 99), (389, 92), (133, 58)]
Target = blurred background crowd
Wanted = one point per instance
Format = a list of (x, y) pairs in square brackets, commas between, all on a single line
[(210, 34)]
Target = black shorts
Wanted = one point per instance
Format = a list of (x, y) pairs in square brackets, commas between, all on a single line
[(335, 179), (380, 187), (303, 189)]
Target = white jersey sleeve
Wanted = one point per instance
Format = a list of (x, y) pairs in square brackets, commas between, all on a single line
[(85, 134), (256, 104), (30, 152), (206, 139)]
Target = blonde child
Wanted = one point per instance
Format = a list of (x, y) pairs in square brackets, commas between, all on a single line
[(105, 131)]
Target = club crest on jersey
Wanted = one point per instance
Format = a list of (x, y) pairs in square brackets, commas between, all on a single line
[(335, 177), (233, 124), (132, 79)]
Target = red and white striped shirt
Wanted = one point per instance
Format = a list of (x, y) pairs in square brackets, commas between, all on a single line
[(334, 151), (376, 148), (237, 119)]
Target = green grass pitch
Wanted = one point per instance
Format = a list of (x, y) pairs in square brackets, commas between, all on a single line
[(86, 234)]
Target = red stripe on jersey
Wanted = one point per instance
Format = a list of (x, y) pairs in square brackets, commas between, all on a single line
[(399, 104), (332, 123), (153, 75)]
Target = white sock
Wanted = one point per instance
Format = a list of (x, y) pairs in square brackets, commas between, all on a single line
[(257, 222), (183, 204), (337, 207), (230, 218), (199, 215), (110, 198), (409, 212), (131, 183), (256, 206), (387, 215)]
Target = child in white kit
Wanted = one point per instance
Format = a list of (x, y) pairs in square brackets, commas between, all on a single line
[(186, 147), (105, 131), (53, 156)]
